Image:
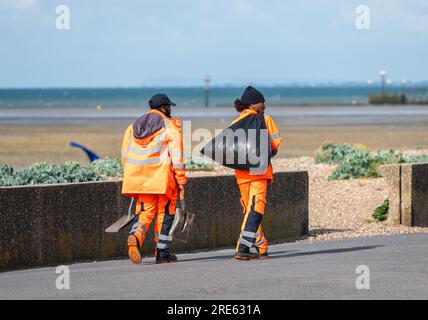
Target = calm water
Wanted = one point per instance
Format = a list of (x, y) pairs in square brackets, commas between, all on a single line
[(184, 97)]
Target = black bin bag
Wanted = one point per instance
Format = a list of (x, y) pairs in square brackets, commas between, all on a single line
[(245, 145)]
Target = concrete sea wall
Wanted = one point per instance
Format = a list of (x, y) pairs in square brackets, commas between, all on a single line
[(56, 224)]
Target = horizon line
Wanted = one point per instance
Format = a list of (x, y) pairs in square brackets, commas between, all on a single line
[(288, 85)]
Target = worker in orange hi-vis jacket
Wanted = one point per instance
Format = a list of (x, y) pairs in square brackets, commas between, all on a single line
[(253, 186), (153, 173)]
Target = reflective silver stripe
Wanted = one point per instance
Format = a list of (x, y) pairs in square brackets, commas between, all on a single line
[(162, 245), (165, 238), (135, 228), (156, 235), (156, 149), (260, 243), (125, 153), (144, 227), (275, 136), (139, 224), (249, 234), (145, 151), (143, 162), (162, 158), (129, 145), (246, 243), (178, 165), (161, 138), (258, 235), (176, 153)]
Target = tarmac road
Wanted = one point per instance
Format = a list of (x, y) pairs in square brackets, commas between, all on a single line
[(398, 268)]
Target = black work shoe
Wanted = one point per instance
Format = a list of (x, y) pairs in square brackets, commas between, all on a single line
[(262, 256), (164, 256), (246, 255)]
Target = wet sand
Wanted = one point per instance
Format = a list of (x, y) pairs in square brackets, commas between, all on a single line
[(43, 135)]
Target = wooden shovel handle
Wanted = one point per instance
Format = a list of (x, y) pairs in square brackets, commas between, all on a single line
[(182, 202)]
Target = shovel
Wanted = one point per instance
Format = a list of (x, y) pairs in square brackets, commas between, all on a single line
[(122, 222), (182, 223)]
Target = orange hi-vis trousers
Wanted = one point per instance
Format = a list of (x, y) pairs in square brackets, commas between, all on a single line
[(253, 201), (149, 205)]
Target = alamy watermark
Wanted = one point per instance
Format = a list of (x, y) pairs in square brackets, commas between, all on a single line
[(63, 280), (363, 279), (362, 22), (63, 20)]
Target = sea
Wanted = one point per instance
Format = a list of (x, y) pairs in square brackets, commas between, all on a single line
[(193, 97)]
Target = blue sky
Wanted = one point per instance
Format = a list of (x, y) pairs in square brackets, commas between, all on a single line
[(120, 43)]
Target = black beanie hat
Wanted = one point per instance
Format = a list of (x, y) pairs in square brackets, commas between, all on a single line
[(252, 96)]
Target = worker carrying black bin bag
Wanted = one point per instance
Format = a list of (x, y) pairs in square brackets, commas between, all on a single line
[(247, 146)]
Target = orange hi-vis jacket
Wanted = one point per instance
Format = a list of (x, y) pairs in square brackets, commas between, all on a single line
[(275, 138), (152, 156)]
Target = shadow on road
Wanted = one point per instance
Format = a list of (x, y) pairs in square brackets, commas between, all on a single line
[(213, 258), (278, 255), (286, 254), (220, 258)]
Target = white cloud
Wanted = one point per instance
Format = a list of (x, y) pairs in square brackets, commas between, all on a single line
[(25, 4), (20, 15), (18, 4)]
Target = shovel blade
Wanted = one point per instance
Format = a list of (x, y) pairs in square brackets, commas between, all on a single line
[(182, 234), (120, 224), (178, 223)]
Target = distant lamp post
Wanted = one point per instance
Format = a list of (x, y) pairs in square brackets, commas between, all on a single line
[(207, 91), (369, 84), (403, 90), (404, 85), (369, 88), (388, 85), (382, 74)]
